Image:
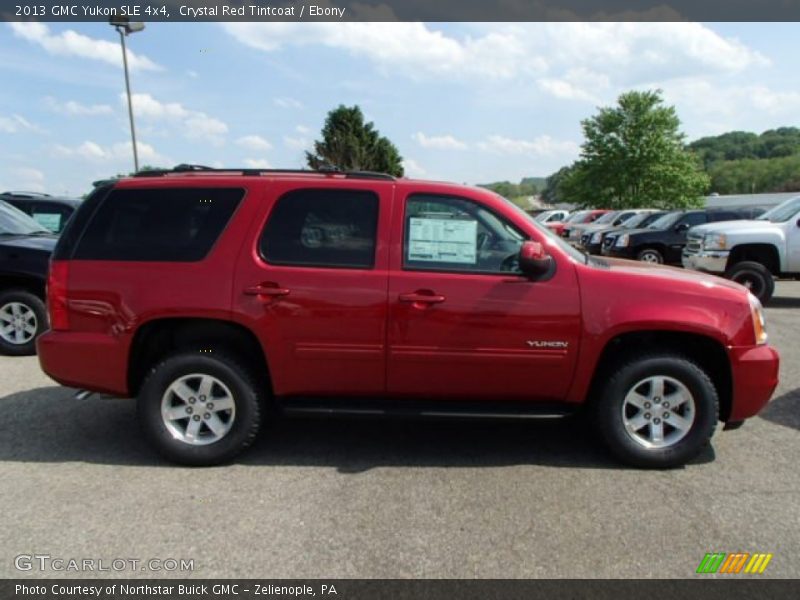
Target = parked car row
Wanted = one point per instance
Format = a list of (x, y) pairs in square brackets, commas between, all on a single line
[(662, 241)]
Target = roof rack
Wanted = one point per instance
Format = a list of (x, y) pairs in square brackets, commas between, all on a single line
[(324, 170), (27, 194)]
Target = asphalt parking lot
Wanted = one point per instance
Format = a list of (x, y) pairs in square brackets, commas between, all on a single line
[(334, 498)]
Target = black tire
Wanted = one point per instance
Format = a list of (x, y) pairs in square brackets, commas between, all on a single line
[(650, 255), (608, 411), (754, 276), (227, 370), (32, 303)]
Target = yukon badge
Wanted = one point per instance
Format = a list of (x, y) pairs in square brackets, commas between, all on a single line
[(548, 345)]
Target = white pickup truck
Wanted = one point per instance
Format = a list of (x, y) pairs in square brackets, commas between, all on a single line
[(752, 253)]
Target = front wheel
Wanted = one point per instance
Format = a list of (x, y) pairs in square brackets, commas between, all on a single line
[(755, 277), (657, 411), (651, 255), (200, 409)]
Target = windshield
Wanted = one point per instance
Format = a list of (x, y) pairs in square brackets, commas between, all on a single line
[(666, 221), (607, 218), (577, 217), (783, 212), (15, 222)]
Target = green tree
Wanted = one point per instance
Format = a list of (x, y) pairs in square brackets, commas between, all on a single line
[(634, 156), (552, 186), (350, 144)]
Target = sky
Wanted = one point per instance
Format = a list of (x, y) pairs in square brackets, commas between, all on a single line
[(464, 102)]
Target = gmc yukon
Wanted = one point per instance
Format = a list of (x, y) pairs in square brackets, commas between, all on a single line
[(213, 295)]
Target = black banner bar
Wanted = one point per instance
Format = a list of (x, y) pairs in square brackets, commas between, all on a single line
[(402, 10), (734, 588)]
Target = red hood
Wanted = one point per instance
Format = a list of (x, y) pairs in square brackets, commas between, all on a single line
[(675, 274)]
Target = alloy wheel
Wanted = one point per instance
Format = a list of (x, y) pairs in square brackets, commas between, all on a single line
[(18, 323), (658, 412), (198, 409)]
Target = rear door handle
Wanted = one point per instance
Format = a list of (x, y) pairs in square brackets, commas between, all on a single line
[(266, 289), (422, 297)]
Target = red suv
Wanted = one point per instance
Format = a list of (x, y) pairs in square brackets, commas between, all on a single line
[(212, 295)]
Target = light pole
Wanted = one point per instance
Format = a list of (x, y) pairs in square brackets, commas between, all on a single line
[(125, 27)]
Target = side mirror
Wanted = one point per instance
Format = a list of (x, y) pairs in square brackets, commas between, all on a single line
[(533, 260), (680, 227)]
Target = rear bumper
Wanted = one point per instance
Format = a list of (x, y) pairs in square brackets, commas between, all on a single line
[(91, 361), (755, 377)]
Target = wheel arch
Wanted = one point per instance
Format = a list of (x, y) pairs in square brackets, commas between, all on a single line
[(707, 352), (158, 338), (764, 254)]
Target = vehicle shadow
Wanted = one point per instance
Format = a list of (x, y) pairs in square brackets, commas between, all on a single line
[(784, 302), (784, 410), (50, 425)]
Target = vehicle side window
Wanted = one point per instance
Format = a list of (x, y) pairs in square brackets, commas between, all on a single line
[(161, 224), (725, 216), (444, 233), (623, 217), (693, 219), (322, 228), (50, 216)]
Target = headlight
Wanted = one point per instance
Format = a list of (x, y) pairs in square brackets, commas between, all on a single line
[(596, 238), (623, 240), (715, 241), (759, 324)]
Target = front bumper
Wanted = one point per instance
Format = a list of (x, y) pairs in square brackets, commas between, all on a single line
[(710, 261), (592, 248), (755, 377)]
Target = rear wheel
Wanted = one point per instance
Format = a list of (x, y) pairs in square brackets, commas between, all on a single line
[(23, 317), (200, 409), (657, 411), (755, 277), (651, 255)]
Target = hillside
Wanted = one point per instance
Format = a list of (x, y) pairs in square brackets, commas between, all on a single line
[(741, 162)]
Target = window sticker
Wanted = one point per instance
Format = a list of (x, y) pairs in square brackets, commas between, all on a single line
[(51, 221), (443, 240)]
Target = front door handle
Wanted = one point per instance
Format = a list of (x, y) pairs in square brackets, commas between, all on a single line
[(271, 290), (422, 297)]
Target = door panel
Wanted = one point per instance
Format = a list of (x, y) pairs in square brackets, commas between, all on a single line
[(486, 336), (323, 325)]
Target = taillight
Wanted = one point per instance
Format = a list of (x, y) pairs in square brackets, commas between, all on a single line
[(57, 295)]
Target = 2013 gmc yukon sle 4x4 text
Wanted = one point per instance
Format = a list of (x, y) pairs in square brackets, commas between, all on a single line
[(214, 295)]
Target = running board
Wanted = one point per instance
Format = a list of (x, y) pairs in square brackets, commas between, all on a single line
[(422, 409)]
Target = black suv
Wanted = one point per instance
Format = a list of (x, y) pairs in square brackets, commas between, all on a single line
[(592, 241), (25, 248), (663, 240), (49, 211)]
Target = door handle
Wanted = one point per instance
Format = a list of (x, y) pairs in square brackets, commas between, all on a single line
[(265, 289), (422, 297)]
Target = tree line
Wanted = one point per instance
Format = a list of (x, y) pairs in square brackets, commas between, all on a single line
[(633, 155)]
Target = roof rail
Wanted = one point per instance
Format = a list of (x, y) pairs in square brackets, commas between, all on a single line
[(324, 170), (27, 194)]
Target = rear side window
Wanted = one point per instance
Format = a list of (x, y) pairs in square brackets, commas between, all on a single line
[(164, 224), (693, 219), (322, 228)]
